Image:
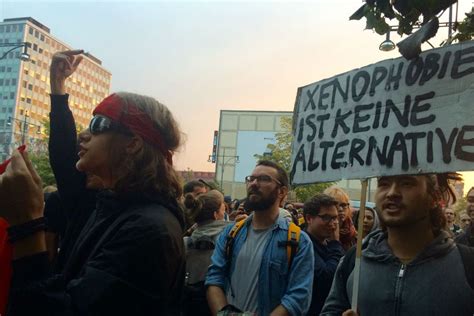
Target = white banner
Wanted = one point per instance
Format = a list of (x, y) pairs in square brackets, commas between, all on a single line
[(393, 117)]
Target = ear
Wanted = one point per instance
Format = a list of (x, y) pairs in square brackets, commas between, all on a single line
[(134, 145), (307, 218), (283, 193)]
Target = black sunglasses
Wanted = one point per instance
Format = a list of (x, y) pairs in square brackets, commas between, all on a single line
[(101, 124)]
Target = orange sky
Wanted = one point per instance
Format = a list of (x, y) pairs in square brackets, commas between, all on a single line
[(199, 57)]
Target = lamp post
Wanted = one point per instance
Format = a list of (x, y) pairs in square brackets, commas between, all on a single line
[(24, 55), (225, 160), (24, 125)]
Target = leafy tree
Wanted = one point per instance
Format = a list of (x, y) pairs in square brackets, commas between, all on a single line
[(39, 155), (408, 13), (280, 152), (411, 14)]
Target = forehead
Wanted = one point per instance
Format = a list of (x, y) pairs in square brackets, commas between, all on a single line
[(264, 170), (417, 179), (328, 210), (449, 211)]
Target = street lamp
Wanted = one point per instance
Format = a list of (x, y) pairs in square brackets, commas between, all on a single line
[(24, 55), (225, 160), (24, 126)]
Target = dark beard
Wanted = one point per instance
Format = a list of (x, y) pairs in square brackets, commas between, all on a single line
[(263, 203)]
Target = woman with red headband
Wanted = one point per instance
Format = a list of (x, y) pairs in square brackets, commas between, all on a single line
[(129, 257)]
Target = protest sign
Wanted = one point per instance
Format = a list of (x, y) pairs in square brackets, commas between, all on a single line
[(394, 117)]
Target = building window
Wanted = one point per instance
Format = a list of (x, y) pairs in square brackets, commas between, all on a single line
[(9, 69), (13, 82), (36, 34), (35, 47), (40, 50), (30, 87), (2, 69), (7, 29), (42, 37), (20, 28), (2, 28), (7, 82), (1, 82), (25, 71), (4, 110), (12, 95), (30, 30)]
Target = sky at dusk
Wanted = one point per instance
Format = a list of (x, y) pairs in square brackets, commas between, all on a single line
[(200, 57)]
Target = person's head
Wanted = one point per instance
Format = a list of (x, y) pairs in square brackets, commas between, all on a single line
[(343, 205), (412, 200), (470, 203), (465, 220), (369, 221), (321, 216), (205, 207), (129, 146), (267, 186), (194, 187), (449, 215)]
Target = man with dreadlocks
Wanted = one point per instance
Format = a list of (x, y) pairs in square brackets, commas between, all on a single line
[(411, 266)]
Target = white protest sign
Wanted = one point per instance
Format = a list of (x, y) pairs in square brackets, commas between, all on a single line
[(394, 117)]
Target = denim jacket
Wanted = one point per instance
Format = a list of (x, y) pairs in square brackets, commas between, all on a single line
[(292, 289)]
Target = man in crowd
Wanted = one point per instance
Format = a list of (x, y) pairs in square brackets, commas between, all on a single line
[(255, 275), (450, 218), (412, 267), (465, 220), (467, 238), (195, 187), (321, 217)]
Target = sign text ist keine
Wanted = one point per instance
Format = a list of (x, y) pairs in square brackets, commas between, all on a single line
[(393, 117)]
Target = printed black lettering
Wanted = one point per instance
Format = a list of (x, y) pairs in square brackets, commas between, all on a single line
[(310, 123), (414, 146), (357, 145), (394, 78), (300, 157), (378, 110), (430, 68), (361, 118), (365, 77), (310, 95), (324, 95), (398, 144), (339, 121), (401, 117), (414, 71), (312, 164), (325, 146), (460, 61), (378, 75), (321, 119), (301, 131), (462, 142), (429, 147), (446, 145), (381, 154), (444, 65), (419, 108), (335, 164)]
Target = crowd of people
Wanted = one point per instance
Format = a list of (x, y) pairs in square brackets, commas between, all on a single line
[(123, 236)]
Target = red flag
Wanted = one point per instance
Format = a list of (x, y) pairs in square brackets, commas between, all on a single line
[(6, 253)]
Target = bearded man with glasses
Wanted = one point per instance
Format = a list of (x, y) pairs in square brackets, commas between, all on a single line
[(467, 237), (321, 216), (254, 275)]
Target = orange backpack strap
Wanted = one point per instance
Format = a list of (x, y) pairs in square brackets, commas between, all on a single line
[(229, 246), (294, 232)]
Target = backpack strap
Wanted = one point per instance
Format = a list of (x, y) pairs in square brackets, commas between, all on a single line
[(467, 256), (229, 245), (294, 232)]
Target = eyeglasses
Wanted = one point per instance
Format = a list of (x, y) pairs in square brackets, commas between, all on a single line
[(101, 124), (327, 218), (343, 205), (261, 179)]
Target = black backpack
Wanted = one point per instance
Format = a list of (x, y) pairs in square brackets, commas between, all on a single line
[(467, 256), (198, 259)]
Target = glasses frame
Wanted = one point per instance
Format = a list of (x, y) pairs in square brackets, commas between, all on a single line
[(332, 219), (250, 179)]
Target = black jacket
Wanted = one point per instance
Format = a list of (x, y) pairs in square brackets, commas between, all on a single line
[(129, 260), (326, 259), (77, 203)]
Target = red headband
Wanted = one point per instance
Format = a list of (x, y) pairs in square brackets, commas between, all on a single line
[(131, 117)]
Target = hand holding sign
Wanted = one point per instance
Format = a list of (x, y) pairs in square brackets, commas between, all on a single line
[(21, 195)]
